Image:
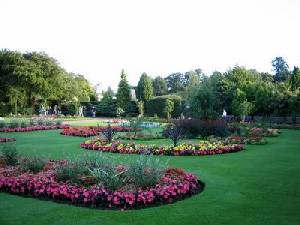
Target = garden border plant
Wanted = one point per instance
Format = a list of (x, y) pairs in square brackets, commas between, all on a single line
[(88, 131), (42, 181), (7, 140), (202, 149)]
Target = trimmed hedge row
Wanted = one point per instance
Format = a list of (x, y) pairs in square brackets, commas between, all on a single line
[(157, 106)]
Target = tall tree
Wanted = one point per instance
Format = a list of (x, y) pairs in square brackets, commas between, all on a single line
[(123, 93), (175, 82), (159, 86), (294, 81), (144, 88), (281, 69)]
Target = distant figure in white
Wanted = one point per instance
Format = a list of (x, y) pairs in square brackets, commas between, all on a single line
[(42, 111), (55, 110), (224, 113), (80, 111)]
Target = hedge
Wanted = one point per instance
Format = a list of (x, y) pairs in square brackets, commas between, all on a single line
[(157, 106)]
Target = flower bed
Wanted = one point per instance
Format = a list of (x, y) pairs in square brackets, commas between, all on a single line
[(33, 128), (7, 139), (201, 149), (91, 131), (252, 140), (174, 185)]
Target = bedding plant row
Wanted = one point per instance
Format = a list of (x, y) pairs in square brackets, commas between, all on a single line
[(91, 130), (200, 149), (96, 181), (7, 139)]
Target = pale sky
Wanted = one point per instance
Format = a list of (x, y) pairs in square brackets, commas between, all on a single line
[(99, 38)]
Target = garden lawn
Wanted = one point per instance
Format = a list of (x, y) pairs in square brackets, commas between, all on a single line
[(258, 186)]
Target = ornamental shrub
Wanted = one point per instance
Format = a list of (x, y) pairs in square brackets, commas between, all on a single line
[(174, 132), (146, 171), (204, 128), (71, 172), (108, 176), (33, 164), (10, 154), (108, 133)]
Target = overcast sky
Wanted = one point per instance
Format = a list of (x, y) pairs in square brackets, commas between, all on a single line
[(99, 38)]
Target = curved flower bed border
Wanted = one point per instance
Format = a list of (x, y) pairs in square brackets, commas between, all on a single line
[(7, 139), (33, 128), (90, 131), (44, 186), (170, 151)]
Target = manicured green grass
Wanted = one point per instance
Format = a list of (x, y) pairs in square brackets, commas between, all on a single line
[(258, 186)]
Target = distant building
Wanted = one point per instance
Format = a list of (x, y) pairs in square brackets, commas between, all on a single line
[(98, 91), (132, 94)]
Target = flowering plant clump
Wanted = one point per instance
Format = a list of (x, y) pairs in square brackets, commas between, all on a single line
[(91, 131), (202, 148), (7, 139), (270, 132), (33, 128), (252, 140), (175, 184)]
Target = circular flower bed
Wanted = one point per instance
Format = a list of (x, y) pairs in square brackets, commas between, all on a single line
[(33, 128), (174, 185), (201, 149), (7, 139), (91, 131)]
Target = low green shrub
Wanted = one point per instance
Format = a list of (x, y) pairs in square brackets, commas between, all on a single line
[(14, 123), (33, 164), (10, 154), (71, 172), (146, 171), (2, 124)]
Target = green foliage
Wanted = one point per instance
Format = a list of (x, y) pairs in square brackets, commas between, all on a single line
[(134, 124), (108, 133), (144, 88), (123, 94), (203, 101), (294, 81), (146, 171), (68, 109), (10, 154), (240, 106), (141, 108), (132, 109), (159, 86), (71, 172), (161, 106), (281, 69), (26, 79), (107, 175), (33, 164), (168, 109)]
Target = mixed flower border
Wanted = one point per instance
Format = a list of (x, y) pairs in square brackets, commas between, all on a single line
[(33, 128), (183, 150), (7, 140), (43, 185), (91, 130)]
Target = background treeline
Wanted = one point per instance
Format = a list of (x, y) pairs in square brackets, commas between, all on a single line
[(239, 91), (29, 80)]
